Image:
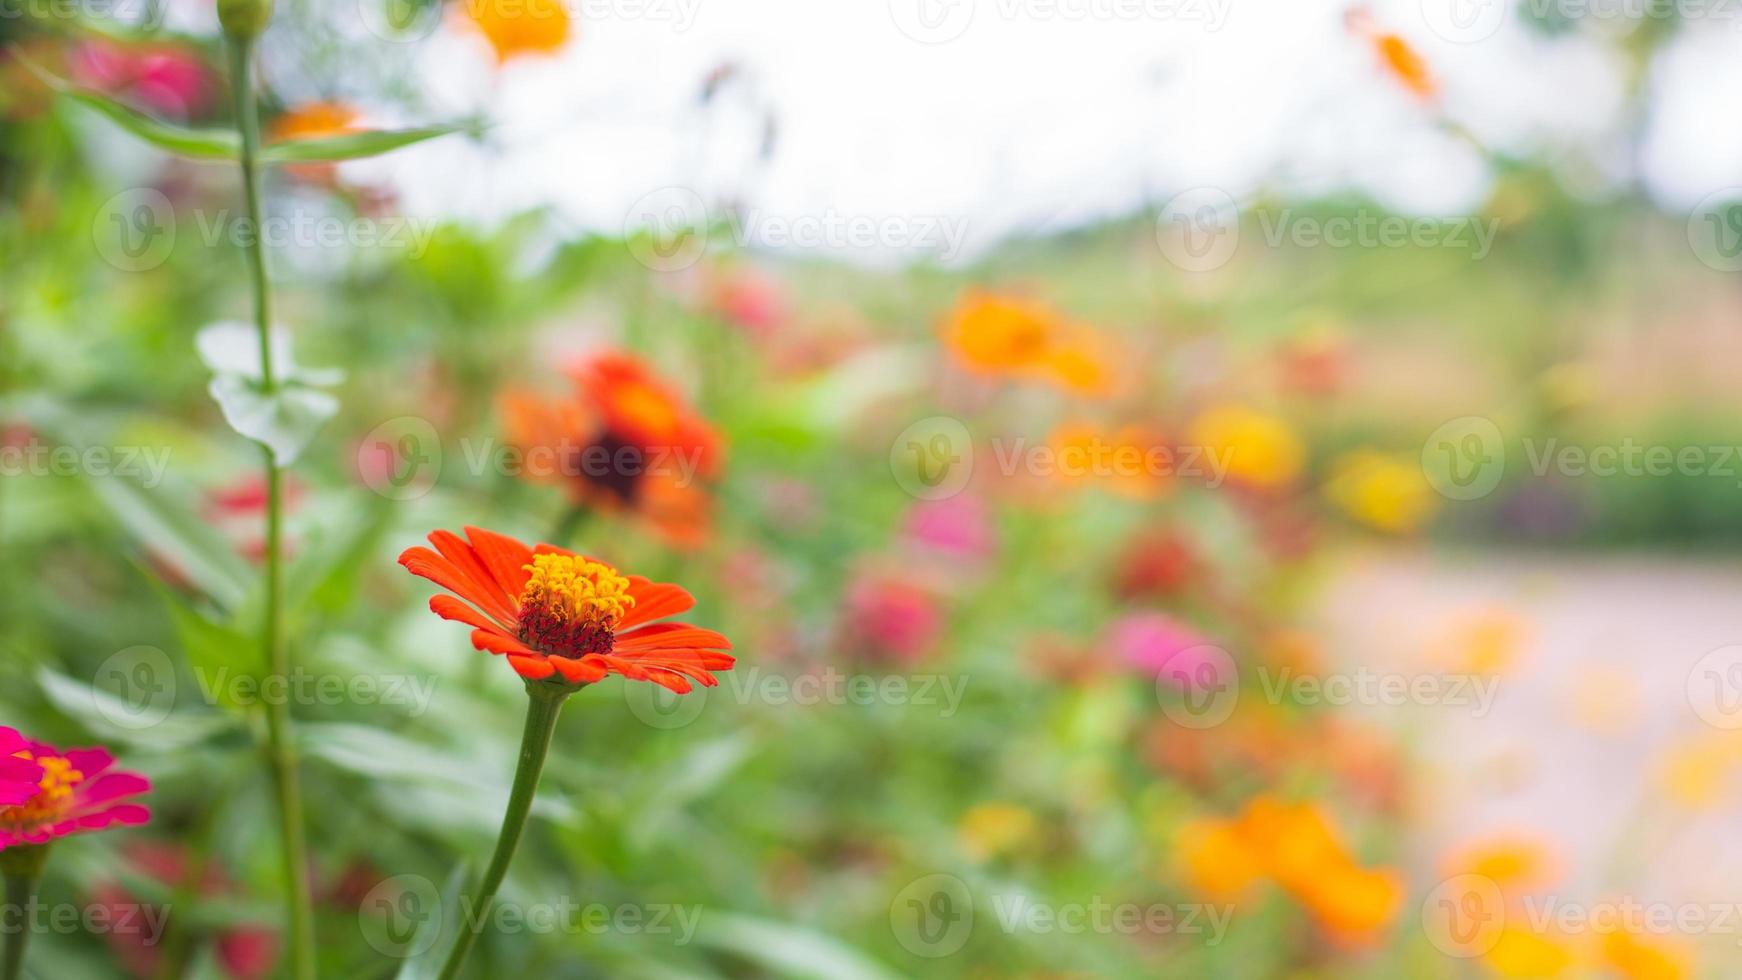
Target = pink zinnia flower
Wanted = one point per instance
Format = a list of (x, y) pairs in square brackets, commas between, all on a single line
[(79, 790), (1162, 646), (957, 527), (19, 778), (891, 619)]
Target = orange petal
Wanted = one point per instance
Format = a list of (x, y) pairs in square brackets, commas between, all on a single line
[(660, 635), (654, 600), (531, 668), (505, 557)]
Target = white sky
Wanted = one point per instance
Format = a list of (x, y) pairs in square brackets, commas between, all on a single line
[(1034, 114)]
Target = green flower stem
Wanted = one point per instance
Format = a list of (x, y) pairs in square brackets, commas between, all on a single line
[(545, 704), (20, 892), (280, 751)]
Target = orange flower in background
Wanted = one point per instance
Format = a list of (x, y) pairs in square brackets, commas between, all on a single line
[(1216, 860), (1295, 845), (627, 441), (1130, 461), (1649, 957), (1009, 336), (1398, 57), (516, 28), (552, 612), (313, 120), (1518, 952)]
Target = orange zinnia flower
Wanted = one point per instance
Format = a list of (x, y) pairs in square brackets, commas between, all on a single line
[(1009, 336), (552, 612), (520, 27), (627, 441), (313, 120)]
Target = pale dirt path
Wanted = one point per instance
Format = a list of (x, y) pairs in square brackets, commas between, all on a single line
[(1574, 745)]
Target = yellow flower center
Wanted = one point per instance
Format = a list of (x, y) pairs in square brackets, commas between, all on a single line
[(571, 606), (53, 794)]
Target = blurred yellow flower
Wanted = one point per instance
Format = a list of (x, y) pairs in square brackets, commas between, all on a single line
[(1386, 492), (1695, 772), (1637, 957), (1518, 952), (1511, 861), (520, 27), (1352, 903), (990, 830), (1257, 449), (1485, 641)]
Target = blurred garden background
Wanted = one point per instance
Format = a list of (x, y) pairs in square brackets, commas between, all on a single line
[(1194, 487)]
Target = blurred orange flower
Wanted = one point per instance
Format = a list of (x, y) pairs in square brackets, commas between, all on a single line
[(1637, 957), (313, 120), (1511, 861), (516, 28), (1398, 57), (1131, 461), (1295, 845), (1518, 952), (626, 441), (1009, 336)]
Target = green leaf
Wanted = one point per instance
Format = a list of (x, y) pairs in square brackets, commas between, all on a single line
[(789, 950), (115, 719), (200, 144), (351, 146), (173, 532), (285, 421), (217, 654)]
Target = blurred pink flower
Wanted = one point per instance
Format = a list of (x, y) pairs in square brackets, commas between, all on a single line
[(749, 299), (890, 619), (1160, 645), (957, 527), (164, 80), (245, 952)]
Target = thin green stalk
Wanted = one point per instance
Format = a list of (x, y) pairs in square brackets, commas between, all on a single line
[(545, 703), (20, 893), (280, 751)]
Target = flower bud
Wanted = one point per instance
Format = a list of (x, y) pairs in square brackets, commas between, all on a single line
[(244, 20)]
